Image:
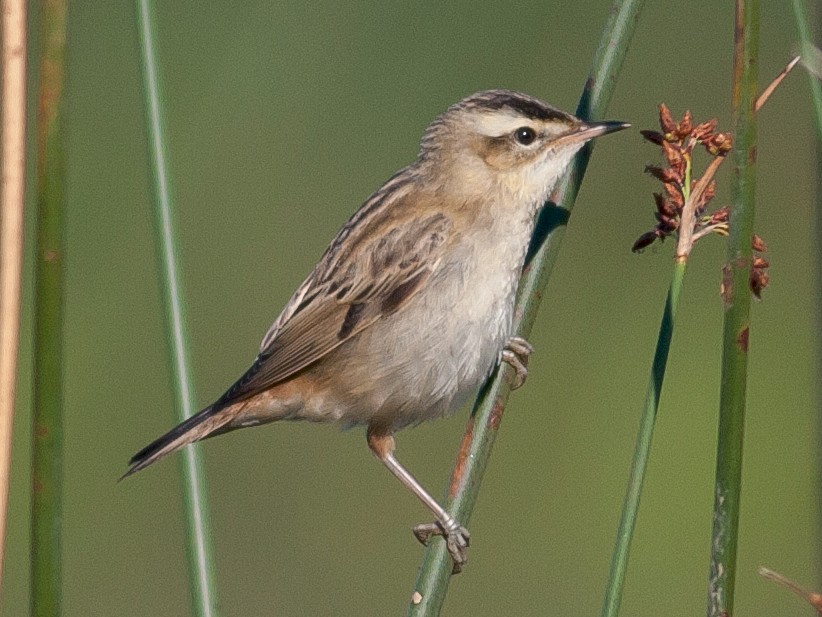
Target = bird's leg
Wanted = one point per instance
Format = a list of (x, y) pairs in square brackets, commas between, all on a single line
[(456, 536), (515, 353)]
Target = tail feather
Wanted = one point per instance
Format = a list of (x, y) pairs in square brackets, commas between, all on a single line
[(197, 427)]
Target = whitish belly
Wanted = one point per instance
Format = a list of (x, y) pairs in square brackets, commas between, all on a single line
[(428, 358)]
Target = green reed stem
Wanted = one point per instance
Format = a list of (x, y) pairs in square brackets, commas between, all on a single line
[(642, 450), (724, 539), (434, 573), (806, 42), (630, 506), (47, 434), (198, 527)]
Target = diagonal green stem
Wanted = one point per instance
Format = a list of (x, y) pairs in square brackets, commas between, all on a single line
[(736, 273), (630, 507), (431, 586), (642, 450), (198, 526), (47, 434)]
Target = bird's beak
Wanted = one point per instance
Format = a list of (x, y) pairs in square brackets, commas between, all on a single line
[(589, 130)]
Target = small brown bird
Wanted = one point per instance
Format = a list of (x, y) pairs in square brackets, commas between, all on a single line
[(410, 308)]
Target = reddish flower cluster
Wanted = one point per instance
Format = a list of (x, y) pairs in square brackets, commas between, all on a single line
[(678, 140)]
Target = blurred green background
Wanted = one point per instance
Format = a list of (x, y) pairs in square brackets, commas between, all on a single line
[(282, 118)]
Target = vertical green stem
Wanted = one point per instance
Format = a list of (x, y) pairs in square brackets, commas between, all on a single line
[(806, 41), (434, 573), (198, 527), (630, 507), (47, 451), (737, 301)]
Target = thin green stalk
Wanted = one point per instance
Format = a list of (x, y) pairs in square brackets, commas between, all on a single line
[(806, 41), (808, 52), (642, 450), (737, 301), (198, 527), (630, 507), (12, 206), (47, 435), (434, 574)]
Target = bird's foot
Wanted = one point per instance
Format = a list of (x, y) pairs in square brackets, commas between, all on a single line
[(457, 540), (515, 353)]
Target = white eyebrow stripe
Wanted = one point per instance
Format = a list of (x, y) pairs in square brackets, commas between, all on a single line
[(498, 122)]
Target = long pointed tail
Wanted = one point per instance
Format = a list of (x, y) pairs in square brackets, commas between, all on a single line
[(197, 427)]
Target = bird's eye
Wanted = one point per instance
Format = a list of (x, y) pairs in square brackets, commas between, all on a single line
[(525, 135)]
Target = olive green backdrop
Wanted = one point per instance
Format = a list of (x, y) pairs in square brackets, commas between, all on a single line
[(282, 118)]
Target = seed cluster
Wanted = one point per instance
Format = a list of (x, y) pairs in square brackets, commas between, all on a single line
[(678, 140)]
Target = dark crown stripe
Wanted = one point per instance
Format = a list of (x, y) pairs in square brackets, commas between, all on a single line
[(526, 105)]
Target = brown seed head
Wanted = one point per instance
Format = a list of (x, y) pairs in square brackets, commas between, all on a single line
[(644, 241), (758, 282), (677, 141), (760, 263), (815, 600), (685, 126), (673, 154), (664, 174), (758, 244), (725, 142), (720, 215), (704, 130), (655, 137), (759, 275), (719, 144), (664, 206), (674, 194), (666, 121), (667, 225)]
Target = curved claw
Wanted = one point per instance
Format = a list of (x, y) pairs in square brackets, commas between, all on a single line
[(457, 541), (515, 353)]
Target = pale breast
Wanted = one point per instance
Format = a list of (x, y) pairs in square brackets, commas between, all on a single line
[(427, 359)]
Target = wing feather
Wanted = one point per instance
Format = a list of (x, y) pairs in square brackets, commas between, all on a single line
[(373, 267)]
